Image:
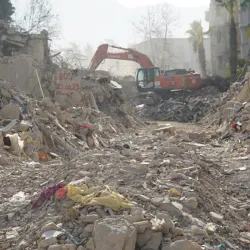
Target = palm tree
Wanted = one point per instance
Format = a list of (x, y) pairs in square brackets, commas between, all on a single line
[(232, 7), (196, 36)]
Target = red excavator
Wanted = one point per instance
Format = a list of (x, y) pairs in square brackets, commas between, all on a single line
[(149, 77)]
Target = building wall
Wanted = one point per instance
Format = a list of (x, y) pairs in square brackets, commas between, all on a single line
[(218, 22), (244, 21), (19, 72), (219, 37)]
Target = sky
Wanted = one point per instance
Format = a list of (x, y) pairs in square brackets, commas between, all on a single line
[(177, 3), (95, 21)]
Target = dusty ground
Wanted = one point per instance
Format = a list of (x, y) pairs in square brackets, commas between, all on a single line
[(144, 165)]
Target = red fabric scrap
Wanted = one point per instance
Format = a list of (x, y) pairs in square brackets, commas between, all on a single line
[(61, 193), (234, 125), (47, 194), (90, 130), (245, 229), (86, 126)]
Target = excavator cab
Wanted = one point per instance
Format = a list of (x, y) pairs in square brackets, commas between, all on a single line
[(145, 78)]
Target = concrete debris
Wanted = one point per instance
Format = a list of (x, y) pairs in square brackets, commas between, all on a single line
[(184, 107), (94, 177), (182, 245), (114, 233)]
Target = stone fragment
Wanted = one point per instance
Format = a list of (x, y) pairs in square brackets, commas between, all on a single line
[(85, 173), (168, 129), (12, 235), (5, 245), (177, 176), (1, 143), (168, 222), (137, 156), (191, 203), (47, 242), (169, 150), (197, 231), (89, 228), (114, 233), (91, 218), (142, 239), (155, 241), (48, 227), (135, 169), (177, 238), (245, 235), (22, 245), (56, 247), (210, 228), (70, 247), (215, 217), (90, 245), (197, 137), (182, 245), (137, 214), (157, 201), (171, 208), (10, 111), (81, 248), (143, 198), (142, 226), (63, 247), (101, 212), (176, 231)]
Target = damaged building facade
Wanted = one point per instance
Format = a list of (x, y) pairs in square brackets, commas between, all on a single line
[(21, 54), (219, 35)]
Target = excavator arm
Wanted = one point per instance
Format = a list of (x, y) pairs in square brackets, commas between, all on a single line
[(128, 55)]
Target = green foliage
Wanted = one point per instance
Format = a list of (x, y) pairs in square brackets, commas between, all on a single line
[(232, 5), (241, 71), (6, 10), (196, 36)]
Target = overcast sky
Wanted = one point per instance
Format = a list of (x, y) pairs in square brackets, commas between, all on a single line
[(93, 21), (177, 3)]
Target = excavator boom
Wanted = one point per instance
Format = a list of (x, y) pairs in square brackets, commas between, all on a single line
[(149, 77), (128, 55)]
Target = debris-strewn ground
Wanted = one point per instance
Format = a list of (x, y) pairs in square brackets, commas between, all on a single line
[(182, 107), (109, 182)]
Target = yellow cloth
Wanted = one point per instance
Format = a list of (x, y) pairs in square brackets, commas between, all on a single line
[(97, 197)]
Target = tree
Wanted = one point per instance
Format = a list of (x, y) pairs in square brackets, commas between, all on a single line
[(6, 10), (39, 15), (88, 52), (196, 36), (156, 27), (71, 57), (232, 7)]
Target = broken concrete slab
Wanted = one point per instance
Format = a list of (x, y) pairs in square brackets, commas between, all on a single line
[(10, 111), (114, 233), (182, 245)]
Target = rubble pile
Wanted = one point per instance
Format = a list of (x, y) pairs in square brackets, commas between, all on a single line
[(190, 108), (78, 179), (42, 129), (230, 118), (159, 188)]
